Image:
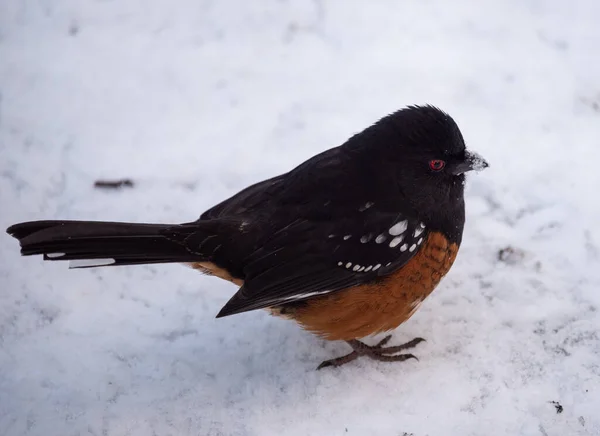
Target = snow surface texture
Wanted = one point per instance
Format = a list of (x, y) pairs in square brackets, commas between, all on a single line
[(194, 100)]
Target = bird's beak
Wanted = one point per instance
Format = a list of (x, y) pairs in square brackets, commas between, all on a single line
[(472, 162)]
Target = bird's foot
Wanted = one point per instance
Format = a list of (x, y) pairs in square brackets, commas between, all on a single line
[(376, 352)]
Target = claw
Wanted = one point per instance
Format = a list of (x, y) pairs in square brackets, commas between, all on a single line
[(411, 356), (376, 352), (324, 364)]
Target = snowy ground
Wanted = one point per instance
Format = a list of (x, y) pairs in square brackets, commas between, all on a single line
[(196, 99)]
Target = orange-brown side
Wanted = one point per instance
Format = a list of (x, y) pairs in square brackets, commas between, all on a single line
[(381, 306), (213, 270)]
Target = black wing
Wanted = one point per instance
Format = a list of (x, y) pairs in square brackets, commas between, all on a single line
[(310, 258), (297, 186), (245, 200)]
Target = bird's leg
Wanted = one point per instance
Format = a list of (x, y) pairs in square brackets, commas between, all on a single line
[(376, 352)]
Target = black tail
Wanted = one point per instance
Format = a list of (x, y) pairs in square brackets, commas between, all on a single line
[(96, 243)]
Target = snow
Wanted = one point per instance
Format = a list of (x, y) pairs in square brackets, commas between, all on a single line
[(194, 100)]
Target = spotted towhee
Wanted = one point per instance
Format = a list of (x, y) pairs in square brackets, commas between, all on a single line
[(348, 244)]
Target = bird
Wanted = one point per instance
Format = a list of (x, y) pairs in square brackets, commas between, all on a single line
[(347, 244)]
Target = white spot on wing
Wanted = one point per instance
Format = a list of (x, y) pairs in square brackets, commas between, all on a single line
[(376, 267), (331, 236), (367, 269), (398, 228), (340, 263), (306, 295), (366, 238), (347, 237), (394, 242), (356, 268), (361, 269), (364, 207), (349, 264), (379, 239), (54, 255), (419, 241), (418, 232), (404, 247), (84, 263), (412, 247)]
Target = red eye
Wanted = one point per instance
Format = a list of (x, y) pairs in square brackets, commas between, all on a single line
[(436, 164)]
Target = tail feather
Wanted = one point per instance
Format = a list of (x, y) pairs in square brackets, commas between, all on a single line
[(97, 243)]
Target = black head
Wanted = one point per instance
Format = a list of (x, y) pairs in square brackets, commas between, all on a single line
[(419, 152)]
